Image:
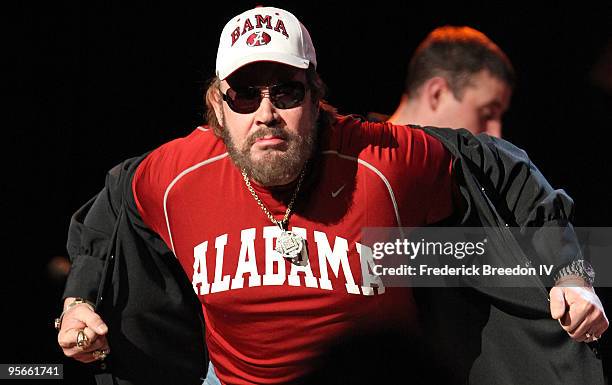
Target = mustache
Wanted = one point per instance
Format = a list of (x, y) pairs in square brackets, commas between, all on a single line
[(268, 131)]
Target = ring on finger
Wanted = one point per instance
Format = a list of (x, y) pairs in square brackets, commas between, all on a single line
[(82, 340), (100, 354)]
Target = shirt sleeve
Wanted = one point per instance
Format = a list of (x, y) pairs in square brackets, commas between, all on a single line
[(151, 181)]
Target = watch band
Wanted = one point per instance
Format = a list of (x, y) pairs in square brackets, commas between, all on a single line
[(77, 301), (580, 268)]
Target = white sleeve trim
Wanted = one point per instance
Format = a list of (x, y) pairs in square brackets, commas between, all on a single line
[(175, 180)]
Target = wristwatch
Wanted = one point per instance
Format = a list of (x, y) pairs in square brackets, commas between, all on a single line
[(580, 268)]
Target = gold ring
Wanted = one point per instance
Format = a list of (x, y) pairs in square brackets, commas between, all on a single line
[(100, 354), (82, 339)]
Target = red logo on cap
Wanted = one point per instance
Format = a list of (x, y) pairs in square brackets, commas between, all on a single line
[(258, 38)]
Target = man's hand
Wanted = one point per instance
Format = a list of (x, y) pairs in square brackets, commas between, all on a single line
[(82, 317), (578, 310)]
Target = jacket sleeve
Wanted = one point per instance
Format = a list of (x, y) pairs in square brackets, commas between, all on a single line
[(519, 194), (90, 232), (542, 214)]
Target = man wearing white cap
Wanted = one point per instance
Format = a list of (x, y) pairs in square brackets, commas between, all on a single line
[(263, 209)]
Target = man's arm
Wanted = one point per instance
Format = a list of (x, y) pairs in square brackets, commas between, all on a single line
[(544, 215), (89, 238), (523, 198), (89, 235), (88, 241)]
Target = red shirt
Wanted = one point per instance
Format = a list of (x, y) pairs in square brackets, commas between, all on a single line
[(266, 318)]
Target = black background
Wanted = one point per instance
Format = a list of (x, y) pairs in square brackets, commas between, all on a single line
[(95, 82)]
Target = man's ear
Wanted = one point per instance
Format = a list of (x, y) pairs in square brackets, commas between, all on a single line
[(217, 104), (434, 90)]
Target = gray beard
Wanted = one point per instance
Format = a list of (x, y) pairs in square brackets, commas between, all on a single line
[(274, 168)]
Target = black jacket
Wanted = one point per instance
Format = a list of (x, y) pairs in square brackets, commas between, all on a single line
[(483, 335), (505, 335), (156, 328)]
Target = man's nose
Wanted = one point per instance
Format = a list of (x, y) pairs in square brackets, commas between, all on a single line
[(266, 112)]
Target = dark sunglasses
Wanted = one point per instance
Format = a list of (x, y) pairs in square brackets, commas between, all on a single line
[(247, 100)]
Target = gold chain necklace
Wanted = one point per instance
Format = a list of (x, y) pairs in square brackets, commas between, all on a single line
[(288, 244)]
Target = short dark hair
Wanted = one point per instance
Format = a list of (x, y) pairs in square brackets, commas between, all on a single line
[(457, 53)]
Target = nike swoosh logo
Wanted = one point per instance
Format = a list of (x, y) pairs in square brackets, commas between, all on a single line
[(335, 193)]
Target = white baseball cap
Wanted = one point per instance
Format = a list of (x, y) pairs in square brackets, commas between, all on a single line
[(264, 34)]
